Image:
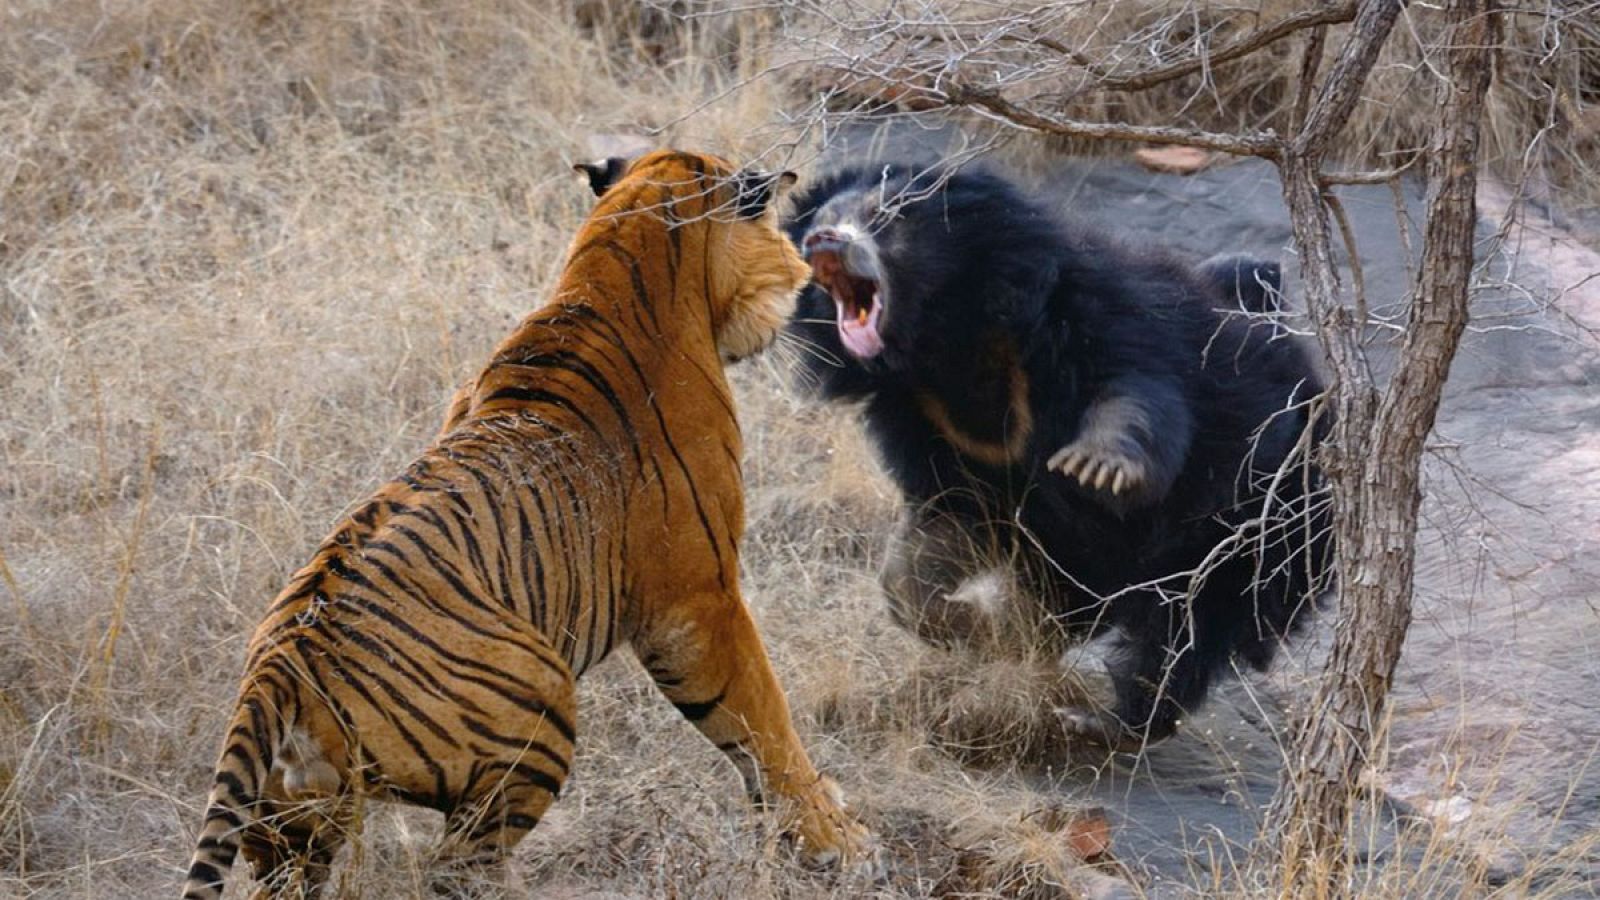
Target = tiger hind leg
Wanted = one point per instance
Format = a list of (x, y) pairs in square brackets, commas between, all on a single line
[(506, 795), (291, 846), (480, 834)]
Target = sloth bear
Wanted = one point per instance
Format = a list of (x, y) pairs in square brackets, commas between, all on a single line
[(1115, 424)]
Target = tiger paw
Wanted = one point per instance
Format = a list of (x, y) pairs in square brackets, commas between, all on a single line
[(827, 836), (1098, 466)]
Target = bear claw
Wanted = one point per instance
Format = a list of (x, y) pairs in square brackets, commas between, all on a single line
[(1098, 468)]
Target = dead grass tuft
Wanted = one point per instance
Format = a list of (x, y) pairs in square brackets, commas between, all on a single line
[(986, 712)]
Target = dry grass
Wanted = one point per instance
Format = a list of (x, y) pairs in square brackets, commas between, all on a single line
[(246, 250), (244, 256)]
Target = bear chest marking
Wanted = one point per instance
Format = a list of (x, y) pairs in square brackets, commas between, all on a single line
[(991, 420)]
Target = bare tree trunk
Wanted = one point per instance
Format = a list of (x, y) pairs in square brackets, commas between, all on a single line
[(1379, 439), (1374, 459)]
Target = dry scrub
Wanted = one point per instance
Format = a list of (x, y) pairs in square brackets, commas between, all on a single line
[(245, 254), (246, 251)]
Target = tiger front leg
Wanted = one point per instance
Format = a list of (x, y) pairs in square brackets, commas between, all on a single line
[(708, 659)]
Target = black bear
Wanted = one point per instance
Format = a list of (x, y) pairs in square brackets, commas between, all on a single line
[(1135, 434)]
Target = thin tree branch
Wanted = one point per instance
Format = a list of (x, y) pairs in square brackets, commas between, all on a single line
[(1310, 64), (1262, 144), (1439, 312), (1337, 330), (1244, 46), (1403, 228), (1347, 233), (1382, 176), (1342, 91), (1105, 77)]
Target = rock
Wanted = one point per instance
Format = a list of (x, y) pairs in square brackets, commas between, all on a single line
[(1174, 160), (1089, 835), (1087, 831)]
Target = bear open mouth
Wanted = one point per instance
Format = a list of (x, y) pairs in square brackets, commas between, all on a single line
[(856, 301)]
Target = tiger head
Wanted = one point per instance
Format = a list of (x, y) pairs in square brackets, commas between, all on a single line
[(725, 217)]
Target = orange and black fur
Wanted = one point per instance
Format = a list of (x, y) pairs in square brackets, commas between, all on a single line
[(584, 493)]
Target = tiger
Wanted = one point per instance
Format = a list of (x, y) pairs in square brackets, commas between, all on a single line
[(584, 493)]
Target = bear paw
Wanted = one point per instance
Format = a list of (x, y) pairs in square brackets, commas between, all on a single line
[(1098, 727)]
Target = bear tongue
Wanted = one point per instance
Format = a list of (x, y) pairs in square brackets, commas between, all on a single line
[(860, 333)]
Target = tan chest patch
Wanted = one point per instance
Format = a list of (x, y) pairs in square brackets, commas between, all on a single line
[(1016, 428)]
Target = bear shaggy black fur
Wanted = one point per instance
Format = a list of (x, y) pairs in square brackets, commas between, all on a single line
[(1126, 428)]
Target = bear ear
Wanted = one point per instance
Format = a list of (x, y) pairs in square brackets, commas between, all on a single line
[(755, 190), (602, 173)]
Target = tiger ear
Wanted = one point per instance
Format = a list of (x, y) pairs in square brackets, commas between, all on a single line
[(756, 189), (602, 173)]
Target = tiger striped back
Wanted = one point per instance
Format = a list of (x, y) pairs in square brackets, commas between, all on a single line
[(585, 492)]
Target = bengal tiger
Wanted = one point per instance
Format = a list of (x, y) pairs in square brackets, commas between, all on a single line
[(585, 494)]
